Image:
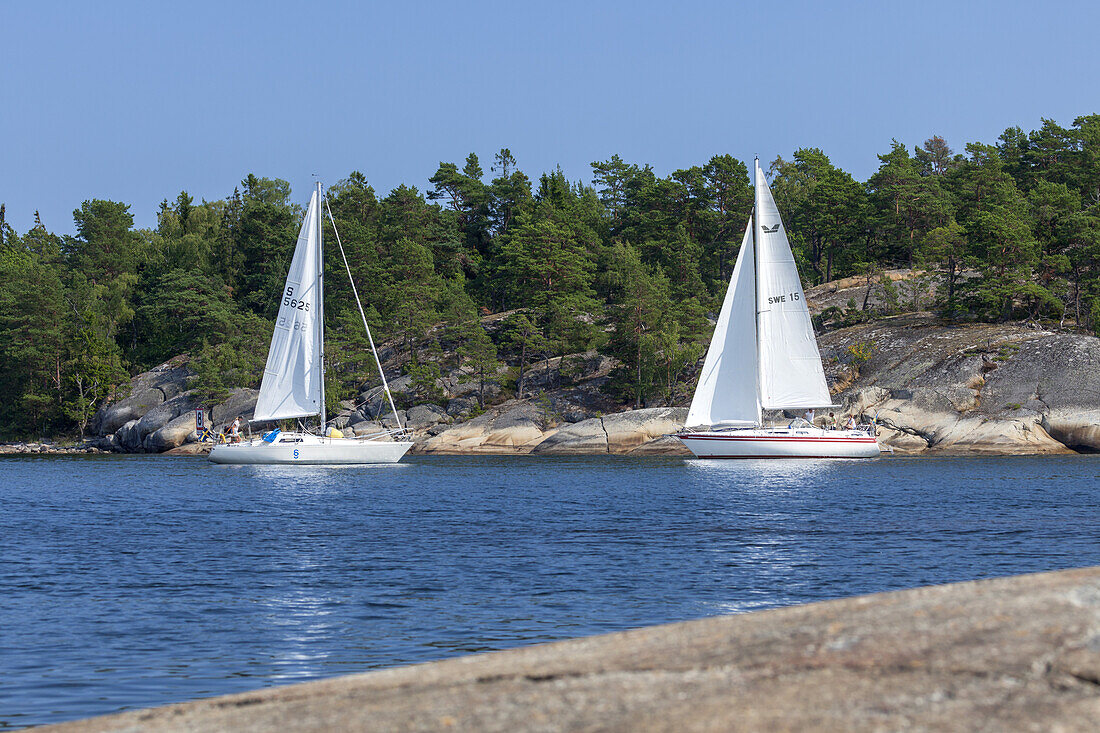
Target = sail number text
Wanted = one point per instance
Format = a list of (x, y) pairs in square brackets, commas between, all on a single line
[(290, 301), (772, 300), (295, 326)]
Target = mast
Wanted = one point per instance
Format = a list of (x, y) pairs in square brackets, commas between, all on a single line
[(756, 280), (321, 306)]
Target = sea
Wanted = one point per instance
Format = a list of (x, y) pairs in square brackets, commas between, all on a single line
[(133, 581)]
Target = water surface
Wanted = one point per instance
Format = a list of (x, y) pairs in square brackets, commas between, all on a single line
[(137, 581)]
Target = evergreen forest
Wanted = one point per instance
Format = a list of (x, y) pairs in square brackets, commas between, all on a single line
[(629, 264)]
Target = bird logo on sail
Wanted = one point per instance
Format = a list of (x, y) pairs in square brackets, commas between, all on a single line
[(770, 230)]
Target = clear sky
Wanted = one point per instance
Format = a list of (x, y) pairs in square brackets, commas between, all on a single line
[(135, 101)]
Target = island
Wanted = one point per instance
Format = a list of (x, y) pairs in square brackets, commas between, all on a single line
[(956, 301)]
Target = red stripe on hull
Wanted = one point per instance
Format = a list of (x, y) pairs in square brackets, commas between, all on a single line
[(777, 439), (850, 458)]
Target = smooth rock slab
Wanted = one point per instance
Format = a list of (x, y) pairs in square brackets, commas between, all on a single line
[(163, 427), (1077, 429), (241, 402), (145, 391), (666, 445), (1018, 653), (127, 437), (190, 449), (627, 431), (424, 416), (172, 435), (637, 432), (586, 437), (514, 427), (367, 427)]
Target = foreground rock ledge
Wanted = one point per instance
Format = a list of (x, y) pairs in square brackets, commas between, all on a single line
[(1019, 653)]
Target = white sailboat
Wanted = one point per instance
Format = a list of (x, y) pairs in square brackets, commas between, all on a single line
[(293, 384), (764, 355)]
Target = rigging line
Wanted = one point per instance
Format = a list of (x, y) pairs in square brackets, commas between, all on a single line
[(355, 291)]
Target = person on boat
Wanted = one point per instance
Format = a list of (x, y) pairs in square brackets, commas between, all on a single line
[(809, 416), (851, 424), (832, 423), (235, 430)]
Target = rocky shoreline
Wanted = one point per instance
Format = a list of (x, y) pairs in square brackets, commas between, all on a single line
[(974, 388), (933, 387), (48, 448)]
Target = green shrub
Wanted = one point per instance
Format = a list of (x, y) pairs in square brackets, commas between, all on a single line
[(861, 352)]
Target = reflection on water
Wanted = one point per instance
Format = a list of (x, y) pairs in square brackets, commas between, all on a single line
[(307, 480), (301, 618), (762, 476), (138, 581)]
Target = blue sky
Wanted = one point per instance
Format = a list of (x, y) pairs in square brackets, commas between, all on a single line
[(137, 101)]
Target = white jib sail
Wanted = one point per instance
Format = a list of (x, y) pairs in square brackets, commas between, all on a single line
[(791, 375), (727, 391), (292, 378)]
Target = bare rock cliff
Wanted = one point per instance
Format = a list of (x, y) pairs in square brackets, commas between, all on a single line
[(987, 388)]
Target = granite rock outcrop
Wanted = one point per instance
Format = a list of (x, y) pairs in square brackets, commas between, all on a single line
[(975, 388), (155, 412), (523, 427), (145, 392)]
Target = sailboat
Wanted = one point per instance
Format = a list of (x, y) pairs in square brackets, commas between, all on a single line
[(764, 355), (293, 384)]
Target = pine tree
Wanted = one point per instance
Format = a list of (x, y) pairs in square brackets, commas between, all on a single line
[(523, 335), (480, 355)]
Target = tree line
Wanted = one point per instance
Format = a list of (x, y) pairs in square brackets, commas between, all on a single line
[(630, 264)]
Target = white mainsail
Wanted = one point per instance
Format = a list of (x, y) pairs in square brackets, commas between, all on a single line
[(727, 391), (292, 378), (791, 375)]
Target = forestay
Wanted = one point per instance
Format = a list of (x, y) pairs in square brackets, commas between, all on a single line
[(791, 375), (727, 394), (292, 378)]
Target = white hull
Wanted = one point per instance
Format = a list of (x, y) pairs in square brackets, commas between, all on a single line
[(797, 442), (310, 450)]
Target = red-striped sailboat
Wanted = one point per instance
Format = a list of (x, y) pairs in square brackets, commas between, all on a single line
[(764, 355)]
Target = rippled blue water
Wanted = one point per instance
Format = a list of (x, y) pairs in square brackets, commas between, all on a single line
[(135, 581)]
